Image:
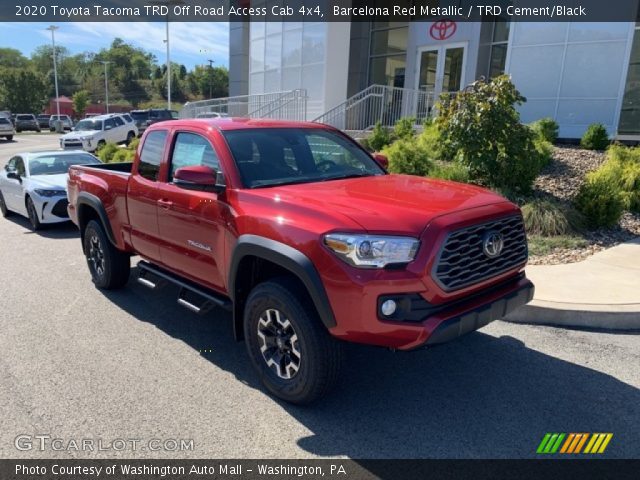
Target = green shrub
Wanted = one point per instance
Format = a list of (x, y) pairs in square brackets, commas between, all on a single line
[(454, 171), (122, 155), (600, 199), (134, 144), (623, 164), (406, 156), (543, 217), (544, 150), (430, 140), (595, 138), (404, 128), (546, 129), (379, 138), (481, 127), (107, 151)]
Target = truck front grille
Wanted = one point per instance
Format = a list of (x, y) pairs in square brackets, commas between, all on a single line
[(462, 261)]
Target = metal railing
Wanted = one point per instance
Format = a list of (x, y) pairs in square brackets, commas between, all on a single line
[(379, 103), (289, 105)]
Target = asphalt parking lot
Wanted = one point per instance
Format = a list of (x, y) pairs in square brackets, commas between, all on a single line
[(77, 363)]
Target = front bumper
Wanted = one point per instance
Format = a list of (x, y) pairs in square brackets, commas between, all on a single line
[(77, 144), (51, 209)]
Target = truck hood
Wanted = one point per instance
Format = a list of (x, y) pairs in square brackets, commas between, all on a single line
[(389, 203)]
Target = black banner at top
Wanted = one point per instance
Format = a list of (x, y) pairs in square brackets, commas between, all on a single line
[(318, 10)]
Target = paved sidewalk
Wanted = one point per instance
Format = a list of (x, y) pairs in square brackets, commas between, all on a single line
[(602, 291)]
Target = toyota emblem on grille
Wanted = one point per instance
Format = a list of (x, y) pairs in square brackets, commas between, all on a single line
[(492, 244)]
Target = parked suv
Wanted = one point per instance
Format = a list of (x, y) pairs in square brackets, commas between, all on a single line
[(27, 122), (67, 123), (306, 238), (144, 118), (6, 128), (91, 133), (43, 120)]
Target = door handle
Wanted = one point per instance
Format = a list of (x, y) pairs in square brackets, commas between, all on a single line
[(166, 204)]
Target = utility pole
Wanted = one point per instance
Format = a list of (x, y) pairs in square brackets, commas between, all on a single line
[(106, 83), (210, 78), (168, 3), (53, 28)]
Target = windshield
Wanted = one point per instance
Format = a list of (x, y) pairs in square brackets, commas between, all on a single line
[(85, 125), (52, 164), (3, 120), (277, 156), (140, 115)]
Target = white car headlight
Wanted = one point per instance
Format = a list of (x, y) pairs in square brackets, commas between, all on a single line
[(49, 193), (372, 251)]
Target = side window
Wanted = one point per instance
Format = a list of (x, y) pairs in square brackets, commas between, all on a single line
[(109, 123), (119, 121), (151, 155), (190, 150), (20, 166)]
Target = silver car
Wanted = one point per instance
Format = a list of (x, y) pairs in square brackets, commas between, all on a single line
[(67, 123), (6, 128)]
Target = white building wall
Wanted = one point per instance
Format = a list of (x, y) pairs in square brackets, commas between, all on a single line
[(572, 72), (288, 55)]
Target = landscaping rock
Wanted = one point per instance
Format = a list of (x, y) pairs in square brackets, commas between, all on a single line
[(561, 180)]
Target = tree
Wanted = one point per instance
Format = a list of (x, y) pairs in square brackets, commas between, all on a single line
[(80, 102), (24, 90), (12, 58)]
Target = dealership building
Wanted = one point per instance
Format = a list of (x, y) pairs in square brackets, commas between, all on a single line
[(577, 73)]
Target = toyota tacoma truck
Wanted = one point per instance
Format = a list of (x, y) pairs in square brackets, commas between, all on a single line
[(305, 237)]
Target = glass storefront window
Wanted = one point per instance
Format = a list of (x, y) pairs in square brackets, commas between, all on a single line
[(389, 42), (630, 113), (388, 70)]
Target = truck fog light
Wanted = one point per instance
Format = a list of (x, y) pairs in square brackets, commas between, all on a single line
[(388, 307)]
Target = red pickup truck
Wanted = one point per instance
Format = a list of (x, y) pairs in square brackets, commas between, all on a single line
[(305, 237)]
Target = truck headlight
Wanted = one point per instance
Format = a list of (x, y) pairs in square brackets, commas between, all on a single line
[(49, 193), (372, 251)]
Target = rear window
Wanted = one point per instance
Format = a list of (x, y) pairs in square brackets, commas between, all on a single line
[(4, 120), (151, 155), (24, 117), (140, 115)]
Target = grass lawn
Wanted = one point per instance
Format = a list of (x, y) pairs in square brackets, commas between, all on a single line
[(539, 245)]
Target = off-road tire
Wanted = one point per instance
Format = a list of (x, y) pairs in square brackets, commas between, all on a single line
[(320, 355), (109, 267)]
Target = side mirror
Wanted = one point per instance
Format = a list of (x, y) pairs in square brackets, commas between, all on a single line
[(381, 160), (13, 174), (199, 177)]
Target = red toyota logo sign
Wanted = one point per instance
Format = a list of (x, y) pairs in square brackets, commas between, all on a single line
[(443, 29)]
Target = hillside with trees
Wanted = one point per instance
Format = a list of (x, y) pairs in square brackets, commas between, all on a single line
[(136, 78)]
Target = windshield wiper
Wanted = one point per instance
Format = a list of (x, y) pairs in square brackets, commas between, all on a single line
[(349, 175)]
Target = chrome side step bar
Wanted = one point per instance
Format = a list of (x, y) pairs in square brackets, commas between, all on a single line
[(191, 296)]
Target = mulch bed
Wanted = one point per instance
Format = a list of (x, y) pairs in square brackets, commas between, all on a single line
[(561, 180)]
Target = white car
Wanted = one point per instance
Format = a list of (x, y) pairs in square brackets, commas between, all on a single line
[(91, 133), (35, 185)]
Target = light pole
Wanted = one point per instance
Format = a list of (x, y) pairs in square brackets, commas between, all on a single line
[(168, 3), (53, 28), (106, 83), (210, 78)]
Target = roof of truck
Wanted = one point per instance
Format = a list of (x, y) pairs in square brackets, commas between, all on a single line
[(239, 123)]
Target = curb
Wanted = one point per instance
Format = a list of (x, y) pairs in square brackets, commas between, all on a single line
[(610, 317)]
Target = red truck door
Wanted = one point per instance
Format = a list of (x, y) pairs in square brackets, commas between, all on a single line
[(143, 197), (191, 222)]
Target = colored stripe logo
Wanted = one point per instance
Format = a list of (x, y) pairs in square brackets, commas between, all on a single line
[(574, 443)]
